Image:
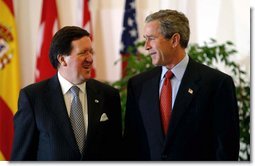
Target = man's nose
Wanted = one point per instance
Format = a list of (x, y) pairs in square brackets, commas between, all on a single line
[(147, 45), (89, 58)]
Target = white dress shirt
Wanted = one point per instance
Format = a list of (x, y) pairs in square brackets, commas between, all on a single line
[(178, 71), (68, 97)]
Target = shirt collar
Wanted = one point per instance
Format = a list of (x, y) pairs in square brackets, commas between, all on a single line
[(66, 85), (178, 70)]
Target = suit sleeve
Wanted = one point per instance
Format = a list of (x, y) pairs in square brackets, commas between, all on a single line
[(226, 121), (135, 140), (25, 134), (131, 119), (117, 126)]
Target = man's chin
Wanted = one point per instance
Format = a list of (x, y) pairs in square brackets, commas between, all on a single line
[(87, 74), (155, 63)]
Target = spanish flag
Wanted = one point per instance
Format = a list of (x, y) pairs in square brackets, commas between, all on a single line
[(9, 76)]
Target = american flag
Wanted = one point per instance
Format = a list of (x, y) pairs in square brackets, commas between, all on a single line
[(130, 32)]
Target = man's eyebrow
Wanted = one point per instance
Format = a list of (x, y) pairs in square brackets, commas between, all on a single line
[(86, 50), (146, 36)]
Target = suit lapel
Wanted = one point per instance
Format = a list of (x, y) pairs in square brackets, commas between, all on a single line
[(149, 100), (56, 104), (95, 101), (187, 90)]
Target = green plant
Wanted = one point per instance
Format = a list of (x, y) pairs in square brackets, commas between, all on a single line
[(210, 53)]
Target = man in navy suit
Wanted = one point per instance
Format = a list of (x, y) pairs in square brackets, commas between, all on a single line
[(203, 123), (43, 129)]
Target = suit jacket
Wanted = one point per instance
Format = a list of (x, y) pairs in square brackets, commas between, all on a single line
[(43, 130), (204, 124)]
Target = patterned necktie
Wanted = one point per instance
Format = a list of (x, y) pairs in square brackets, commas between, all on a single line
[(166, 101), (77, 119)]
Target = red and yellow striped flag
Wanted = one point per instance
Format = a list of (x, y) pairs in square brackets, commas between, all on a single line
[(9, 76)]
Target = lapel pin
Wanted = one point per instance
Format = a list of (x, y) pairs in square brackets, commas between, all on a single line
[(190, 91), (96, 101)]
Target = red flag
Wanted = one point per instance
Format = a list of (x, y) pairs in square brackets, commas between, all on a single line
[(9, 76), (84, 21), (48, 27)]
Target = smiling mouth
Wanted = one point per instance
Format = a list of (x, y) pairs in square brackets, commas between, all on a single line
[(152, 53), (87, 66)]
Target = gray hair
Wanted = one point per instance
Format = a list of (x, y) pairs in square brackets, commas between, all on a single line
[(171, 22)]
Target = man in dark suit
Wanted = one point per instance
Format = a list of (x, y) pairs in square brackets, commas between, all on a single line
[(46, 121), (202, 121)]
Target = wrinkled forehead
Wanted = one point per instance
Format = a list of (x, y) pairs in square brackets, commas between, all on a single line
[(151, 28)]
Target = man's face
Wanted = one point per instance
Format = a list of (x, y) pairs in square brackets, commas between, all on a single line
[(79, 62), (159, 48)]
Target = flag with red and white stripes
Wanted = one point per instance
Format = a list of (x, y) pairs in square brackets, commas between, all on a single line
[(130, 32)]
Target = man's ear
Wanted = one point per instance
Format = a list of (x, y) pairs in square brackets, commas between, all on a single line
[(176, 40), (61, 60)]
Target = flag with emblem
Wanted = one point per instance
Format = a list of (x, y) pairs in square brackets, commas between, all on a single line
[(129, 32), (83, 19), (48, 27), (9, 76)]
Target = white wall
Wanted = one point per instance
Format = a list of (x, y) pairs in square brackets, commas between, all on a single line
[(219, 19)]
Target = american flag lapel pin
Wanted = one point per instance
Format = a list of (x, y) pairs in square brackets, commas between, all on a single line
[(190, 91)]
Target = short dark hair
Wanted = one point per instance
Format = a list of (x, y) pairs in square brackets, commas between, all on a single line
[(61, 42)]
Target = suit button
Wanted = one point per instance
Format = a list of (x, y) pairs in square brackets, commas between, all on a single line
[(164, 156)]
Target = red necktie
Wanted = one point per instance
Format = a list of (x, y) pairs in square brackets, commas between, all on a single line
[(166, 101)]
